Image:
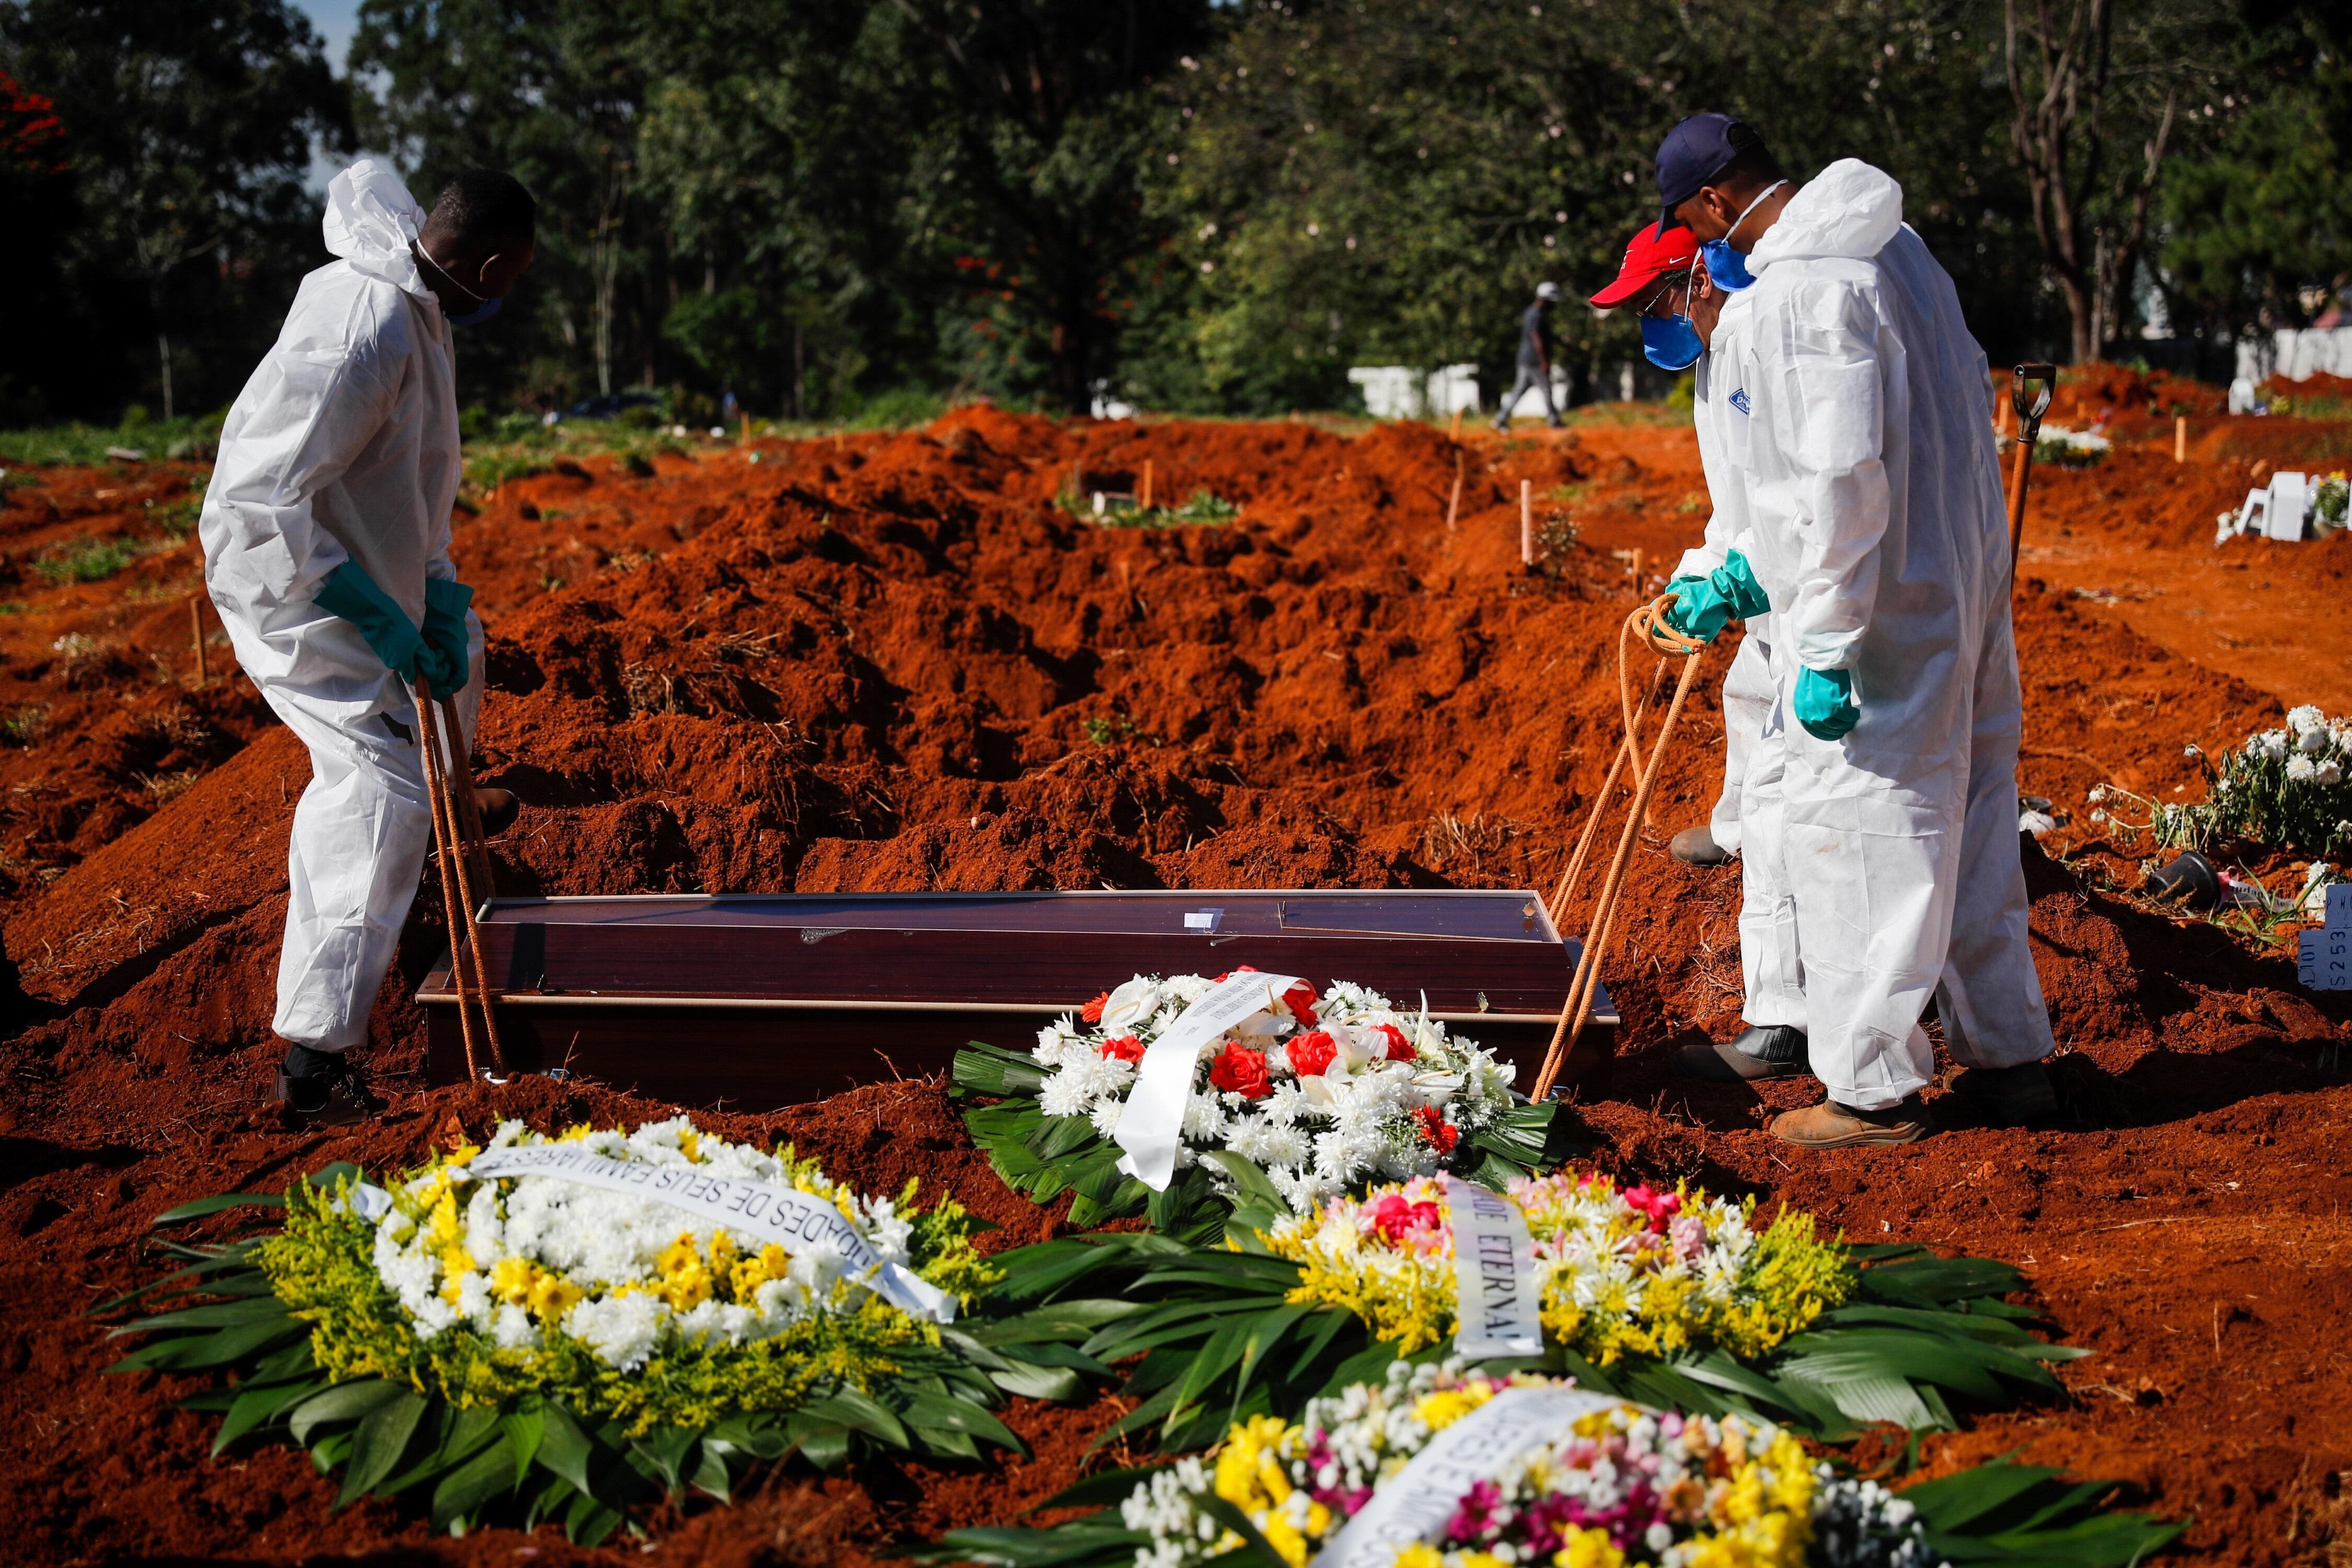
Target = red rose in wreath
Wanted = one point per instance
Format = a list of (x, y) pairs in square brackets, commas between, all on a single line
[(1312, 1054), (1394, 1218), (1241, 1071), (1126, 1048), (1400, 1048)]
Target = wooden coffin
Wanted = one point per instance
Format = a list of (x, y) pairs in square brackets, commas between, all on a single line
[(763, 1001)]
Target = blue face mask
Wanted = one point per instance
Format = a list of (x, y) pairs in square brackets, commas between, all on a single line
[(1726, 266), (479, 313), (1670, 343)]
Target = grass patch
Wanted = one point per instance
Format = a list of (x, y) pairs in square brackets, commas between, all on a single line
[(488, 466), (1636, 413), (2311, 405), (1201, 510), (902, 409), (191, 438), (83, 561), (177, 519), (24, 726)]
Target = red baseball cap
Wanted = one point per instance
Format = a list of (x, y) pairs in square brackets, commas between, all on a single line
[(1653, 252)]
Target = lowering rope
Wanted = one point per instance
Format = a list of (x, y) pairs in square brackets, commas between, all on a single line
[(465, 859), (1647, 625)]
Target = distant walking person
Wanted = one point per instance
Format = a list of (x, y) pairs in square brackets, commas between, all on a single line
[(326, 536), (1534, 358)]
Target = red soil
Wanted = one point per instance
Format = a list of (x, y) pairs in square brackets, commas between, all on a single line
[(891, 662)]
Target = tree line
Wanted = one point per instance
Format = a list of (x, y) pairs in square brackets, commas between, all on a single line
[(1191, 206)]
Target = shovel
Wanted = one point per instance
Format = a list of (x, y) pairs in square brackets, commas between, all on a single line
[(2030, 410)]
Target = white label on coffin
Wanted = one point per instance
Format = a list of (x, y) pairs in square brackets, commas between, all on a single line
[(1494, 1274), (1152, 1122), (1416, 1505), (793, 1219)]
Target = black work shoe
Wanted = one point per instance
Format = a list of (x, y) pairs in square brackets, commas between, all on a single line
[(2009, 1097), (336, 1096), (1696, 846), (499, 808), (1775, 1050)]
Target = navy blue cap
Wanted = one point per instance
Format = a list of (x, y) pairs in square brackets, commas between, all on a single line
[(1696, 152)]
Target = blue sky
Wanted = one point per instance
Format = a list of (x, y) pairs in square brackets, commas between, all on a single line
[(336, 21)]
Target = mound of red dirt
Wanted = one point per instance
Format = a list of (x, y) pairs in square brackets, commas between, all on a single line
[(901, 661)]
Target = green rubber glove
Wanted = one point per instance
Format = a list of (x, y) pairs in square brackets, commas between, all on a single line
[(353, 595), (1825, 703), (444, 636), (1703, 606)]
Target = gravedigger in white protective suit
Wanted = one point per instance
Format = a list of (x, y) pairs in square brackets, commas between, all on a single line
[(1713, 585), (326, 538), (1846, 390)]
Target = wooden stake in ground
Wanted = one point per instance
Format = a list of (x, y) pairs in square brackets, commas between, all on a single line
[(1454, 434), (197, 631), (1453, 507), (1527, 522), (1143, 496), (2180, 437)]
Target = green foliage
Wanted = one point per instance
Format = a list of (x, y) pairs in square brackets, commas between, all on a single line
[(2260, 219), (2287, 789), (1201, 509), (1221, 1339), (83, 561), (186, 439), (901, 409), (1202, 209), (23, 726), (178, 518), (155, 249), (321, 1357)]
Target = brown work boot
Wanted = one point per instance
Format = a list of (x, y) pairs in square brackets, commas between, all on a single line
[(499, 808), (1763, 1051), (1829, 1125), (1696, 846), (2009, 1097)]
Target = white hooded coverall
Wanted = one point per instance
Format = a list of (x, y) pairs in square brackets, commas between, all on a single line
[(343, 445), (1874, 523), (1746, 816)]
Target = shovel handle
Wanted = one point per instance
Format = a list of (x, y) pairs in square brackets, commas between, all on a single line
[(2030, 406)]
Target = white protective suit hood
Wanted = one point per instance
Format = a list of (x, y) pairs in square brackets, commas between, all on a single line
[(370, 221), (1848, 210)]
